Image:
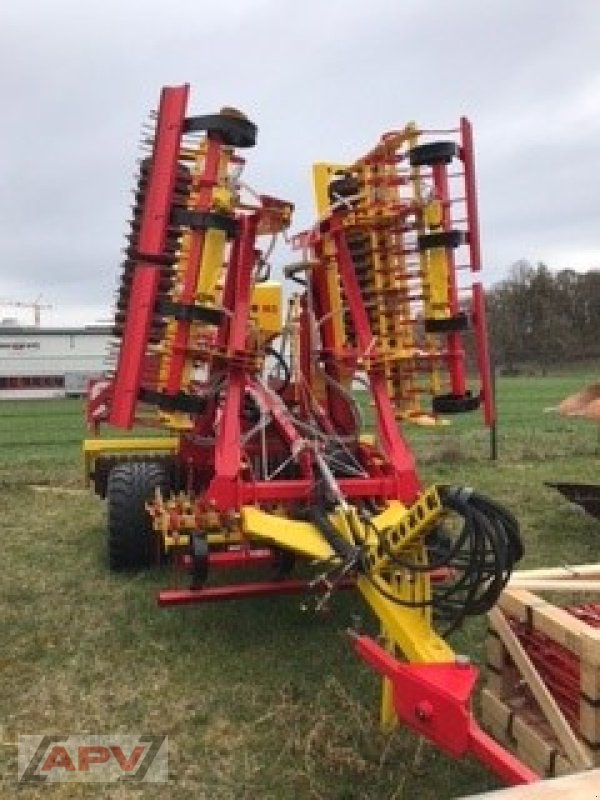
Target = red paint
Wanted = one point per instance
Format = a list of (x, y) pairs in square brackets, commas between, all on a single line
[(432, 700), (151, 241), (482, 353), (242, 591)]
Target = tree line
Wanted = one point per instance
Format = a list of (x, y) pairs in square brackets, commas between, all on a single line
[(536, 316)]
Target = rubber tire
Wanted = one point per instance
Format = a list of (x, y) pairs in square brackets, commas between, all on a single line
[(100, 473), (455, 404), (438, 239), (426, 155), (455, 324), (131, 544), (104, 464), (345, 186), (232, 130)]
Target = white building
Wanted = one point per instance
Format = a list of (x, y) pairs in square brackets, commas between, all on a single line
[(50, 362)]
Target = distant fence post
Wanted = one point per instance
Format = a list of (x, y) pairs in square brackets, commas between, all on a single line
[(494, 425)]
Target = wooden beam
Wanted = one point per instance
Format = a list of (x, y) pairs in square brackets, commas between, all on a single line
[(581, 786), (576, 752), (558, 624), (556, 584), (575, 571)]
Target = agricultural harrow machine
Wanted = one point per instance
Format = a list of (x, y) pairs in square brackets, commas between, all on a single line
[(266, 457)]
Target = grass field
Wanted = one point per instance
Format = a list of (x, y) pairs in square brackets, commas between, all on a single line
[(259, 700)]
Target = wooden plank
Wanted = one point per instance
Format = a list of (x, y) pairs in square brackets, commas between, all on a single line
[(552, 585), (495, 652), (532, 746), (498, 674), (494, 711), (589, 724), (572, 747), (583, 570), (526, 741), (589, 681), (581, 786), (556, 623)]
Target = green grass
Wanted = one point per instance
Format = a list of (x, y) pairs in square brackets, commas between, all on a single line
[(259, 699)]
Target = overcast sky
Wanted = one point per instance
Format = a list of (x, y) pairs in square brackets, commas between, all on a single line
[(322, 79)]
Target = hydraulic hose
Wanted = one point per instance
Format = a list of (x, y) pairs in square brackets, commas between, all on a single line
[(481, 557)]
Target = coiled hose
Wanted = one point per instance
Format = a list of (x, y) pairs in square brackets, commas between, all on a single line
[(479, 558)]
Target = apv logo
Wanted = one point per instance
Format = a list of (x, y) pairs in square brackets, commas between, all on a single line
[(95, 759)]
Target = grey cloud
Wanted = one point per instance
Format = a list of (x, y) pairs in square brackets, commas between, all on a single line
[(322, 80)]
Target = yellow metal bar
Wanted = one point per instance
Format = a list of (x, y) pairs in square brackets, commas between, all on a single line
[(297, 536), (210, 265), (92, 448), (159, 444), (322, 174), (408, 628)]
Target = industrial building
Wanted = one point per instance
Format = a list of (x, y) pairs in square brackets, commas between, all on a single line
[(49, 362)]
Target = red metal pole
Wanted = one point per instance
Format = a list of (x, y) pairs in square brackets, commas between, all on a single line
[(502, 763), (468, 157), (482, 354), (392, 444), (224, 488), (151, 242), (241, 591)]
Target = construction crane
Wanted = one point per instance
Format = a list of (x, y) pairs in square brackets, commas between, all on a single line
[(36, 305), (267, 458)]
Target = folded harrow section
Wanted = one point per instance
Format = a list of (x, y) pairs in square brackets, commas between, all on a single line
[(409, 213)]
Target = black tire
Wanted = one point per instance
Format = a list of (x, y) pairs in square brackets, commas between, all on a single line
[(425, 155), (431, 241), (455, 403), (455, 324), (100, 473), (131, 542), (346, 186), (232, 130), (104, 464)]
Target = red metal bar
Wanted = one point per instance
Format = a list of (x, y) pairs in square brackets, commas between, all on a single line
[(243, 273), (227, 494), (280, 417), (338, 410), (489, 753), (221, 492), (432, 700), (392, 444), (231, 559), (241, 591), (482, 354), (260, 491), (468, 157), (151, 241)]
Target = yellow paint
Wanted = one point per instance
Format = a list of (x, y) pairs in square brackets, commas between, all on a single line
[(322, 174), (265, 308), (211, 264), (408, 628), (297, 536), (93, 448)]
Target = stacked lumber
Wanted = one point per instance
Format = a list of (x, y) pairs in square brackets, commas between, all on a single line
[(542, 698)]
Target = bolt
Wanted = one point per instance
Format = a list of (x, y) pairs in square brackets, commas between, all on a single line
[(462, 660), (424, 711)]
